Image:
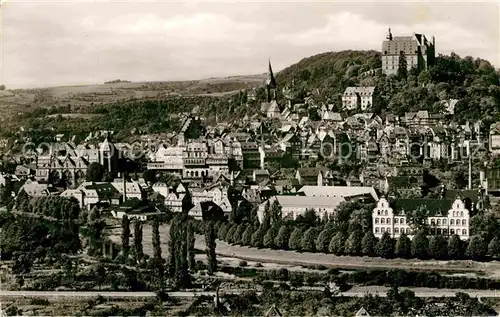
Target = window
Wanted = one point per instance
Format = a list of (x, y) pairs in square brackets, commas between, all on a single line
[(402, 221), (376, 221), (407, 230), (464, 222), (452, 231), (389, 230), (378, 212), (464, 232), (461, 214), (382, 221), (396, 220), (388, 220), (376, 229), (396, 230), (438, 222), (382, 229), (452, 222), (444, 221)]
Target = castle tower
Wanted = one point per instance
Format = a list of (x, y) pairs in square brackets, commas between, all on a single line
[(271, 84), (389, 35)]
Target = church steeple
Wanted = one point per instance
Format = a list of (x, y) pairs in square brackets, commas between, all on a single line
[(271, 84), (271, 81)]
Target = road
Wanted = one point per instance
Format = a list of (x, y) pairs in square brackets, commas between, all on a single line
[(358, 291)]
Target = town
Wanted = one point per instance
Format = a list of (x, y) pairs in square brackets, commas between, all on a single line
[(353, 204)]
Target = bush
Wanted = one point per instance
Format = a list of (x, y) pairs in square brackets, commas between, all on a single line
[(243, 263), (258, 264)]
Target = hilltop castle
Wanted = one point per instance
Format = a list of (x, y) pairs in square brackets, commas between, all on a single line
[(416, 49)]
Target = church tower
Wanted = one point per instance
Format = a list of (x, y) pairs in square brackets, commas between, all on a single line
[(271, 84)]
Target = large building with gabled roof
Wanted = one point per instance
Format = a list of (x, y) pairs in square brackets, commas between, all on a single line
[(444, 216), (417, 51)]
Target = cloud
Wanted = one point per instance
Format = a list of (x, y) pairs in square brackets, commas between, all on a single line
[(60, 43)]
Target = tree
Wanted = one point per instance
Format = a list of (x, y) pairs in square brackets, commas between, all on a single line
[(211, 245), (23, 201), (295, 241), (190, 246), (494, 247), (246, 237), (95, 228), (125, 235), (308, 242), (221, 234), (438, 247), (477, 247), (275, 213), (138, 250), (238, 234), (323, 240), (353, 243), (369, 244), (266, 221), (403, 66), (455, 250), (2, 87), (420, 245), (156, 240), (385, 247), (337, 244), (258, 238), (95, 172), (281, 239), (268, 240), (403, 246), (230, 233)]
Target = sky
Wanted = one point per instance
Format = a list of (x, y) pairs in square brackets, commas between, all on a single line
[(58, 42)]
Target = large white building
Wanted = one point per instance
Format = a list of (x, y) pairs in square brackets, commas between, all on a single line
[(416, 49), (358, 98), (446, 217), (294, 206)]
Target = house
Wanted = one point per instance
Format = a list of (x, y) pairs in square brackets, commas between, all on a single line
[(417, 51), (273, 311), (294, 206), (90, 194), (315, 176), (494, 139), (445, 216), (22, 171), (260, 175), (362, 313), (36, 189), (355, 98)]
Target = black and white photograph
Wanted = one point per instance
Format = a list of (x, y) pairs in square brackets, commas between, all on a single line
[(249, 158)]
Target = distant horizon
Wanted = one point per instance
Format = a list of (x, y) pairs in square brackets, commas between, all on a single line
[(87, 43)]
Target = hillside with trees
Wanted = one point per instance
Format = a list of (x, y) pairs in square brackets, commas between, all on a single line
[(473, 81)]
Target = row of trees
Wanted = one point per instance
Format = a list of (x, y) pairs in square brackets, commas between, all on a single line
[(327, 239), (181, 252)]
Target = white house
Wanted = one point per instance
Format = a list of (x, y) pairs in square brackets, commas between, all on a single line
[(293, 206), (358, 98)]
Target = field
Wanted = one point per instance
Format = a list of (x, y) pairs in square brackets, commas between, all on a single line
[(77, 97), (231, 255)]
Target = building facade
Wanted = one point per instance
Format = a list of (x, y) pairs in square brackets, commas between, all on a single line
[(416, 50)]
